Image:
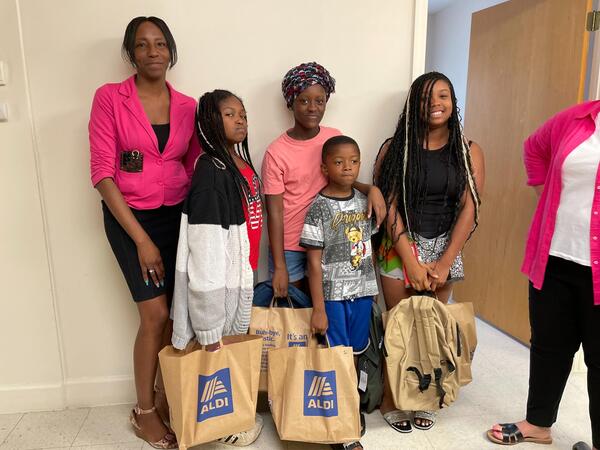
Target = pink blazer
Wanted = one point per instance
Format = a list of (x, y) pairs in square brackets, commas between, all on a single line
[(118, 123), (544, 154)]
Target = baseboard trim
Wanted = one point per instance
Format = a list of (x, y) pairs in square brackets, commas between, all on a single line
[(75, 393)]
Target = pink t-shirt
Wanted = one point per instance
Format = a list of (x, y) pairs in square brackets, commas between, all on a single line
[(293, 168)]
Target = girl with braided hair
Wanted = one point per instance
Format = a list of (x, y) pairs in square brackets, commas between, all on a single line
[(291, 173), (220, 235), (431, 178)]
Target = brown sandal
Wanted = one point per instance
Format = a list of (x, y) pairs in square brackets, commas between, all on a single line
[(168, 440), (511, 435)]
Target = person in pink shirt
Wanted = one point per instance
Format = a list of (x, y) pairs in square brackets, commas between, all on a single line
[(292, 177), (562, 260), (143, 148)]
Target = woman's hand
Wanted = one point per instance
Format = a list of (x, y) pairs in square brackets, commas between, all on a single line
[(376, 203), (418, 275), (318, 321), (151, 263), (280, 282)]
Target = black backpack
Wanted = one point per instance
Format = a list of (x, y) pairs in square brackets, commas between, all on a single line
[(370, 364)]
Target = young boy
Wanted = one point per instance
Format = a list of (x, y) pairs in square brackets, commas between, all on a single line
[(337, 237)]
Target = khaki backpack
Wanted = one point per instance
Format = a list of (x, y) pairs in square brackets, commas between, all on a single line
[(426, 360)]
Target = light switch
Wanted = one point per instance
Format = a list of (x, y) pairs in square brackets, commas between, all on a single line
[(3, 112), (3, 73)]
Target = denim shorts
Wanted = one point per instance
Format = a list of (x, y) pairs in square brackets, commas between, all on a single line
[(295, 262)]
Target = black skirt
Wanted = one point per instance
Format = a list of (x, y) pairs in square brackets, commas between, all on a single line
[(162, 225)]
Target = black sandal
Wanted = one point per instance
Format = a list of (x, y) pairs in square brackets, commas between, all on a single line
[(511, 435)]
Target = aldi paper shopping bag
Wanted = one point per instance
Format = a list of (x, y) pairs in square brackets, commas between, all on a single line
[(280, 327), (313, 394), (212, 394)]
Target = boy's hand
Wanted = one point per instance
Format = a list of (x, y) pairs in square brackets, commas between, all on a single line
[(318, 322), (280, 282), (376, 203)]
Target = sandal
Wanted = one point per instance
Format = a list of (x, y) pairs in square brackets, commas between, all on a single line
[(581, 446), (424, 415), (398, 420), (350, 446), (168, 440), (511, 435)]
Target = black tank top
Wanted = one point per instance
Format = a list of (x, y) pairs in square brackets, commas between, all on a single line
[(439, 177), (162, 132)]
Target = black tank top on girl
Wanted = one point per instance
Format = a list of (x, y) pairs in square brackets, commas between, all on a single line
[(439, 177)]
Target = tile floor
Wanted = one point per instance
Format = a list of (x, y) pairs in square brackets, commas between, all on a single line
[(497, 394)]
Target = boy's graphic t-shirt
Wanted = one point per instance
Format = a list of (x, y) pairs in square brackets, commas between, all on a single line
[(341, 228), (253, 214), (292, 168)]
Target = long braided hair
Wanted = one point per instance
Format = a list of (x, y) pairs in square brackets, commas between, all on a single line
[(402, 174), (211, 133)]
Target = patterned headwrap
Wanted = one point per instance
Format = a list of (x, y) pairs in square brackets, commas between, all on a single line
[(303, 76)]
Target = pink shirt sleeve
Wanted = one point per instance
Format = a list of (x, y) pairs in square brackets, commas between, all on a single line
[(272, 176), (102, 135), (537, 154)]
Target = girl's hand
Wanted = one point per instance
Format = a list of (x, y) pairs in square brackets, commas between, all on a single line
[(418, 275), (151, 263), (213, 347), (376, 203), (441, 271), (318, 321), (280, 282)]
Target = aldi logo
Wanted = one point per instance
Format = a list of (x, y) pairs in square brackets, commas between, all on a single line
[(214, 395), (320, 393)]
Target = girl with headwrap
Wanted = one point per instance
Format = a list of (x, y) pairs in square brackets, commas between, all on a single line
[(291, 173)]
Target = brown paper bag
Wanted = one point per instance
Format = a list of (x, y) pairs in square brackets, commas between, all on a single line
[(313, 394), (212, 394), (280, 327)]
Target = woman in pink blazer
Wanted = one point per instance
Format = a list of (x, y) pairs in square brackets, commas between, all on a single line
[(143, 148), (562, 262)]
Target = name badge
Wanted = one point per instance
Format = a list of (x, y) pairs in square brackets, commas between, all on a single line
[(132, 161)]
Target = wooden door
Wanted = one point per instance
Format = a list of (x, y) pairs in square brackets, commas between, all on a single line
[(526, 62)]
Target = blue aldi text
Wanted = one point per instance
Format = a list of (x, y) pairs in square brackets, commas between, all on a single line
[(214, 395), (320, 393)]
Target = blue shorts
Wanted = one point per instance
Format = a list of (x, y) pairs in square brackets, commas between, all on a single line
[(349, 322), (295, 262)]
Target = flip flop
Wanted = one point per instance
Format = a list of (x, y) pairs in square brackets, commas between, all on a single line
[(511, 435), (424, 415), (398, 420)]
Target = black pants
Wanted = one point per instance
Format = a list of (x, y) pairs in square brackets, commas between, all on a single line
[(562, 316)]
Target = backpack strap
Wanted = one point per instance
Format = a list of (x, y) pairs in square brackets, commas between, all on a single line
[(433, 331)]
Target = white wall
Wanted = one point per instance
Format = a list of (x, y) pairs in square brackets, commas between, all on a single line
[(68, 323), (448, 37)]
